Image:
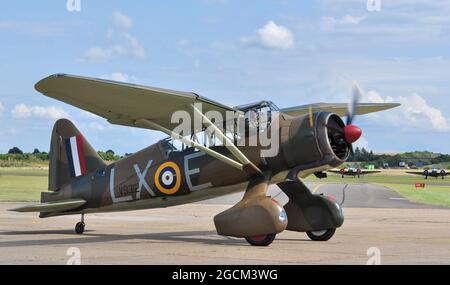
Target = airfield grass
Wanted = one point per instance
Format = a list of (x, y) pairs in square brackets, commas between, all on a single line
[(22, 188), (436, 192), (26, 184), (431, 194), (24, 171)]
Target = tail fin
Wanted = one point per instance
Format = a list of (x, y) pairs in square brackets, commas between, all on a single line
[(71, 156)]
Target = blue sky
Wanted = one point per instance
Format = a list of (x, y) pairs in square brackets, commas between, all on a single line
[(235, 52)]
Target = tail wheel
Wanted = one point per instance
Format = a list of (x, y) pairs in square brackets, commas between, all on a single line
[(323, 235), (263, 240), (79, 228)]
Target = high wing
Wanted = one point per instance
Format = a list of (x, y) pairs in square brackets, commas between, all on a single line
[(59, 206), (141, 106), (370, 172), (124, 103), (415, 172), (339, 108), (334, 171)]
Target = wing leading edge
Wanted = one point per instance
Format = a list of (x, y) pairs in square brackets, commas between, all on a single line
[(339, 108)]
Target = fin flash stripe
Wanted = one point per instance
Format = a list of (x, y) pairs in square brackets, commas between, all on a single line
[(75, 156)]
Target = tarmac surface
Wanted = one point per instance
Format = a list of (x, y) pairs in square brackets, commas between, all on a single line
[(377, 221)]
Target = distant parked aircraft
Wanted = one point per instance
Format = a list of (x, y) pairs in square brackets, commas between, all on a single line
[(430, 172), (355, 172)]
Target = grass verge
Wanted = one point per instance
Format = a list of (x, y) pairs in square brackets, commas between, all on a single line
[(431, 194), (22, 188)]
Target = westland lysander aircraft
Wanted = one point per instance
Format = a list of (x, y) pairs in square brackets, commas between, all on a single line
[(311, 139), (352, 171), (430, 173)]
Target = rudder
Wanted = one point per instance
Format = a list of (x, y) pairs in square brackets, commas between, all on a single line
[(71, 155)]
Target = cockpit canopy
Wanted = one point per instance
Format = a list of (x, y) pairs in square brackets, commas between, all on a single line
[(262, 106), (257, 116)]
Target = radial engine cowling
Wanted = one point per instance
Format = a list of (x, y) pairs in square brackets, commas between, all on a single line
[(315, 142)]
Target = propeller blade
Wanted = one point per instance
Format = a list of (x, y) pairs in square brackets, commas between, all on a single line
[(353, 105), (350, 147)]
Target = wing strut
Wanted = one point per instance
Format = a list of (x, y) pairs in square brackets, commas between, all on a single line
[(247, 164), (191, 143)]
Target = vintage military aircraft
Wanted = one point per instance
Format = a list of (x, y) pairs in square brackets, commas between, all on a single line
[(311, 138), (352, 171), (430, 173)]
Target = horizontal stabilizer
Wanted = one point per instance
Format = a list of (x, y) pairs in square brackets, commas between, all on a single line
[(59, 206)]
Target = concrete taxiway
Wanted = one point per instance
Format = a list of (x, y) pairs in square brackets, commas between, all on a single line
[(377, 220)]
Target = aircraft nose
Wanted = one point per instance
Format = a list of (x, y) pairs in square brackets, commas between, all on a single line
[(352, 133)]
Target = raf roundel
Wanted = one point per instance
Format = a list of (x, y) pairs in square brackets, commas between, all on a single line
[(168, 178)]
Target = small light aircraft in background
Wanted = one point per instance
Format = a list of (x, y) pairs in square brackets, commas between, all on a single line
[(311, 139), (430, 173), (353, 171)]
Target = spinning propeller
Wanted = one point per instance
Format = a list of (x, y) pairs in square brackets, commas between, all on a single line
[(351, 132)]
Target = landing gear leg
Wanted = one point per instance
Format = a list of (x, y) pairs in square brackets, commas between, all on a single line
[(79, 227)]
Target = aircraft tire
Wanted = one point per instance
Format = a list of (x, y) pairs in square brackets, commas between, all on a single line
[(79, 228), (261, 240), (324, 235)]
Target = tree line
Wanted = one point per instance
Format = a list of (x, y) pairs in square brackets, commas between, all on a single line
[(17, 154), (410, 158), (360, 155)]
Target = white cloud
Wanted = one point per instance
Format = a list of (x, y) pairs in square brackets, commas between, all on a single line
[(120, 50), (23, 111), (349, 19), (119, 76), (374, 97), (330, 23), (98, 54), (122, 21), (272, 36), (95, 126), (125, 43), (361, 143), (2, 108), (416, 108), (414, 111), (137, 50)]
